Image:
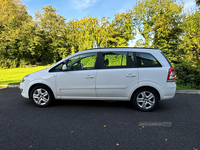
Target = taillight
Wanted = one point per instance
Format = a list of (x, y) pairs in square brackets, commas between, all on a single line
[(171, 75)]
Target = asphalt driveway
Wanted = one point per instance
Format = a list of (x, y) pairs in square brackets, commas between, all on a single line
[(98, 124)]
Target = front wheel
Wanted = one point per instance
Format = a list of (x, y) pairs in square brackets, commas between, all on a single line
[(41, 95), (145, 99)]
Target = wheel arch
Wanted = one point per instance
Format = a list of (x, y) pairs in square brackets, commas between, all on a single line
[(37, 84), (145, 87)]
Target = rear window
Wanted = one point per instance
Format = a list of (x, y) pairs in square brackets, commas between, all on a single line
[(147, 60)]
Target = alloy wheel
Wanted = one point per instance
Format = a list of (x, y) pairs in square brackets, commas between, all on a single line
[(41, 96), (145, 100)]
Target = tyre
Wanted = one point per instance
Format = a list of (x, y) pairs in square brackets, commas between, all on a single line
[(41, 95), (145, 99)]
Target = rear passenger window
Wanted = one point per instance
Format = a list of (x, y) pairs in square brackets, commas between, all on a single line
[(147, 60), (117, 60), (114, 60)]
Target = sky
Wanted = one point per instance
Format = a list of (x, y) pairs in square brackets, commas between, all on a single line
[(77, 9)]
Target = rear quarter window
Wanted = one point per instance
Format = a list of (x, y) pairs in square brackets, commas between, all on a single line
[(147, 60)]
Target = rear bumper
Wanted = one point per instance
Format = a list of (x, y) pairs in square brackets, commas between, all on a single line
[(168, 91)]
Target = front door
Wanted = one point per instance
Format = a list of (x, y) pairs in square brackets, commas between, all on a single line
[(79, 79)]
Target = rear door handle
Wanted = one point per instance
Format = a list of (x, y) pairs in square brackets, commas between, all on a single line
[(130, 75), (89, 77)]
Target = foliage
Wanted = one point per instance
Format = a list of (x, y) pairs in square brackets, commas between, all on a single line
[(191, 36), (159, 24), (187, 75), (121, 30), (185, 87), (48, 38), (80, 35), (91, 32), (52, 26), (14, 30), (168, 30), (198, 2), (164, 24)]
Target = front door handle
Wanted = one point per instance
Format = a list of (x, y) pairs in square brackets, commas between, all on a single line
[(130, 75), (89, 77)]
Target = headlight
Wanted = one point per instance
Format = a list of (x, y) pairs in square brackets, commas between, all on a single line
[(24, 78)]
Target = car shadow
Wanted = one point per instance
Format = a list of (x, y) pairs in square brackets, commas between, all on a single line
[(161, 107)]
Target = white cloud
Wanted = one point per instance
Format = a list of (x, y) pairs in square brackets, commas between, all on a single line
[(82, 4), (189, 5)]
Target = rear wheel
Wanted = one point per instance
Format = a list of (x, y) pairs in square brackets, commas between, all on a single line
[(41, 95), (145, 99)]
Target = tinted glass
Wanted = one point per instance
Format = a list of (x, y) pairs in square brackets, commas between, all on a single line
[(57, 68), (130, 60), (82, 62), (114, 60), (147, 60)]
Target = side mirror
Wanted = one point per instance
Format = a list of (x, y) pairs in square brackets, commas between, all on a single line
[(64, 67)]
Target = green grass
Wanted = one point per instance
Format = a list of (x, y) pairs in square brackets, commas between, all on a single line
[(1, 87), (14, 76), (185, 87)]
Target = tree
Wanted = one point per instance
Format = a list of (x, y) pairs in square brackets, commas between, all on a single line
[(167, 29), (14, 27), (191, 36), (53, 27), (145, 13), (102, 32), (121, 30), (158, 21), (197, 2), (83, 34), (91, 32)]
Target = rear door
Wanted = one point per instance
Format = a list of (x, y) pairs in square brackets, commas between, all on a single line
[(117, 76)]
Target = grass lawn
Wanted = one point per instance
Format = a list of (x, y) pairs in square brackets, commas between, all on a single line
[(14, 76), (185, 87)]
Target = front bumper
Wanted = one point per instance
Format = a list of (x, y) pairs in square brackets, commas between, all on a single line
[(24, 90)]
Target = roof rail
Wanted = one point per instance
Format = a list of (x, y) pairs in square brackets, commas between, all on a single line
[(124, 47)]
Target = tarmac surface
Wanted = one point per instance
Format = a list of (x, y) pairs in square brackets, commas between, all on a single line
[(90, 125)]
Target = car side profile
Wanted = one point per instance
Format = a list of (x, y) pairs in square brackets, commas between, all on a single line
[(143, 76)]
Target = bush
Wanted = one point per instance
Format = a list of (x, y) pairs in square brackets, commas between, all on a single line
[(187, 75)]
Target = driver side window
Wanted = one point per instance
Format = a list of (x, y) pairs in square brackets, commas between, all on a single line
[(82, 62)]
